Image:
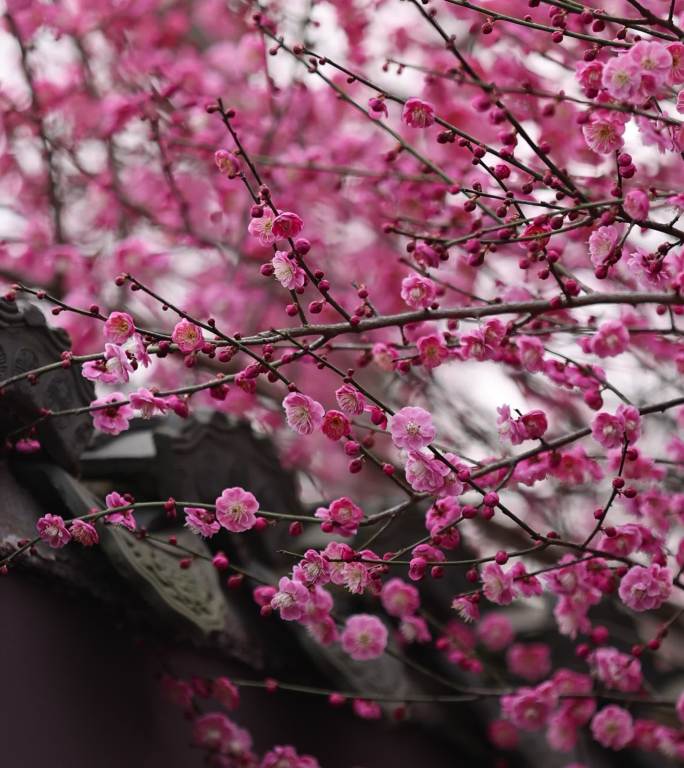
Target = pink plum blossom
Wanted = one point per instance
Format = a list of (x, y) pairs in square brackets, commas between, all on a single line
[(236, 509)]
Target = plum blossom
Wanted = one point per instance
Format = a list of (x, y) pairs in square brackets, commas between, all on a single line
[(412, 428), (287, 272), (426, 474), (418, 292), (645, 588), (418, 113), (399, 598), (531, 661), (113, 369), (529, 709), (286, 225), (147, 403), (112, 413), (335, 425), (613, 727), (350, 400), (497, 585), (53, 531), (262, 228), (364, 637), (617, 670), (611, 339), (125, 517), (84, 533), (236, 509), (303, 414), (342, 516), (203, 522), (290, 600), (118, 327), (603, 133), (187, 336)]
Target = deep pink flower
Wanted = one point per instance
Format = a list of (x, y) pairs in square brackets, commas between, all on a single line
[(602, 242), (342, 516), (225, 692), (53, 531), (227, 163), (84, 533), (118, 327), (418, 113), (399, 598), (621, 77), (313, 570), (418, 292), (364, 637), (287, 225), (377, 107), (613, 727), (426, 474), (303, 414), (412, 428), (432, 350), (287, 757), (617, 670), (529, 709), (125, 517), (603, 134), (495, 631), (203, 522), (531, 661), (335, 425), (187, 336), (645, 588), (608, 430), (236, 509), (467, 609), (611, 339)]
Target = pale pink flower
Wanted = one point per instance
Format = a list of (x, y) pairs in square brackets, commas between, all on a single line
[(303, 414), (621, 78), (613, 727), (412, 428), (113, 369), (290, 600), (636, 204), (497, 585), (676, 51), (399, 598), (203, 522), (650, 269), (350, 400), (424, 473), (287, 272), (236, 509), (287, 225), (147, 403), (602, 242), (418, 292), (418, 113), (364, 637), (118, 327), (262, 228), (603, 134), (114, 417), (414, 629), (589, 76), (531, 351), (187, 336), (53, 531), (84, 533), (645, 588), (227, 163), (654, 62)]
